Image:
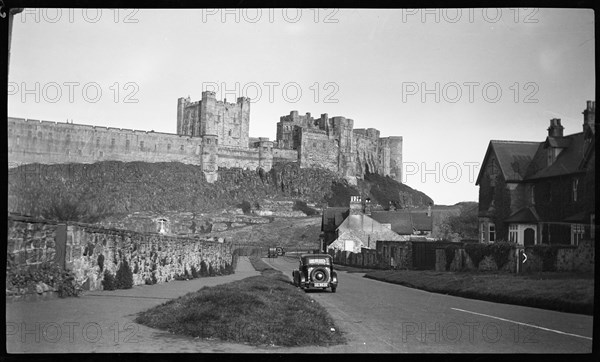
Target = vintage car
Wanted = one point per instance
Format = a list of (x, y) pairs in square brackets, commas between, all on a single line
[(315, 271), (272, 253)]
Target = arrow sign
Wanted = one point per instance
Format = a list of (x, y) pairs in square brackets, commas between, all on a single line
[(525, 255)]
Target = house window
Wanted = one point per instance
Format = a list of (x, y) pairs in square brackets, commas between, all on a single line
[(513, 233), (577, 232), (492, 232), (574, 186), (482, 232)]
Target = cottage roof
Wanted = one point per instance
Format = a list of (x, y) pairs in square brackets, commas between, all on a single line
[(404, 221)]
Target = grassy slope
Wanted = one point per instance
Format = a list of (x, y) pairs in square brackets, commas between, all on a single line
[(261, 310), (286, 232), (556, 291)]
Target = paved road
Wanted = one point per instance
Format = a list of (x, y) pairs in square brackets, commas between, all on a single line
[(376, 316), (384, 317)]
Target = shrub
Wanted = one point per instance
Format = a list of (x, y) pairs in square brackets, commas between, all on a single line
[(548, 255), (68, 287), (477, 252), (500, 252), (450, 254), (222, 270), (124, 277), (203, 269), (211, 271), (194, 272), (109, 282), (245, 206)]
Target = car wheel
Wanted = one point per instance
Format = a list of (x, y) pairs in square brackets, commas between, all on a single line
[(333, 289)]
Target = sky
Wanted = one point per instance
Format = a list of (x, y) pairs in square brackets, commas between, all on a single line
[(447, 80)]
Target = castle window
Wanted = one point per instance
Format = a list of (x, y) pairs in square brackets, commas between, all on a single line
[(18, 140), (112, 142), (574, 186), (181, 148), (127, 144), (216, 142), (142, 145), (168, 146), (208, 141), (40, 135), (98, 142), (229, 133)]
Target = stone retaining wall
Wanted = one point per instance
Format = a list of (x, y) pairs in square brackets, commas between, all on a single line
[(88, 250)]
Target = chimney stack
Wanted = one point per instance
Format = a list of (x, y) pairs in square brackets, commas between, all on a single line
[(589, 115), (555, 129)]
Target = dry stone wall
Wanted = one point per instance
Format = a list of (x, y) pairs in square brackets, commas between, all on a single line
[(88, 250)]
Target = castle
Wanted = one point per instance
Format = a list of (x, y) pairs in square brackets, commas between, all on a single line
[(212, 134)]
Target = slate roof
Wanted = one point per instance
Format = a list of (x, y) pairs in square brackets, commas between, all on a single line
[(513, 157), (404, 221), (567, 162), (522, 161)]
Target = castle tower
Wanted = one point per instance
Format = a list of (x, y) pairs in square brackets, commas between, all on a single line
[(384, 156), (395, 143), (210, 157), (208, 114), (265, 153), (181, 103), (243, 104)]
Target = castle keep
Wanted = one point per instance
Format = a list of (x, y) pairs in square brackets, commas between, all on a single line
[(212, 134)]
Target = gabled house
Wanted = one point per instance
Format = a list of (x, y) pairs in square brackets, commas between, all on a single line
[(540, 192), (355, 231)]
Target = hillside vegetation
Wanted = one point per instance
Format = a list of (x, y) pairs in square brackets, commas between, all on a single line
[(92, 192)]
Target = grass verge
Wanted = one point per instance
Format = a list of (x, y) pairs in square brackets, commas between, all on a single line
[(564, 292), (261, 310)]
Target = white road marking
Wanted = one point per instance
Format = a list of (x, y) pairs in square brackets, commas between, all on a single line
[(524, 324)]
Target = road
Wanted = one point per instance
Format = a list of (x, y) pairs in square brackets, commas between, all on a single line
[(384, 317)]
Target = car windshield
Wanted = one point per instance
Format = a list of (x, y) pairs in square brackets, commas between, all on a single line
[(309, 260)]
